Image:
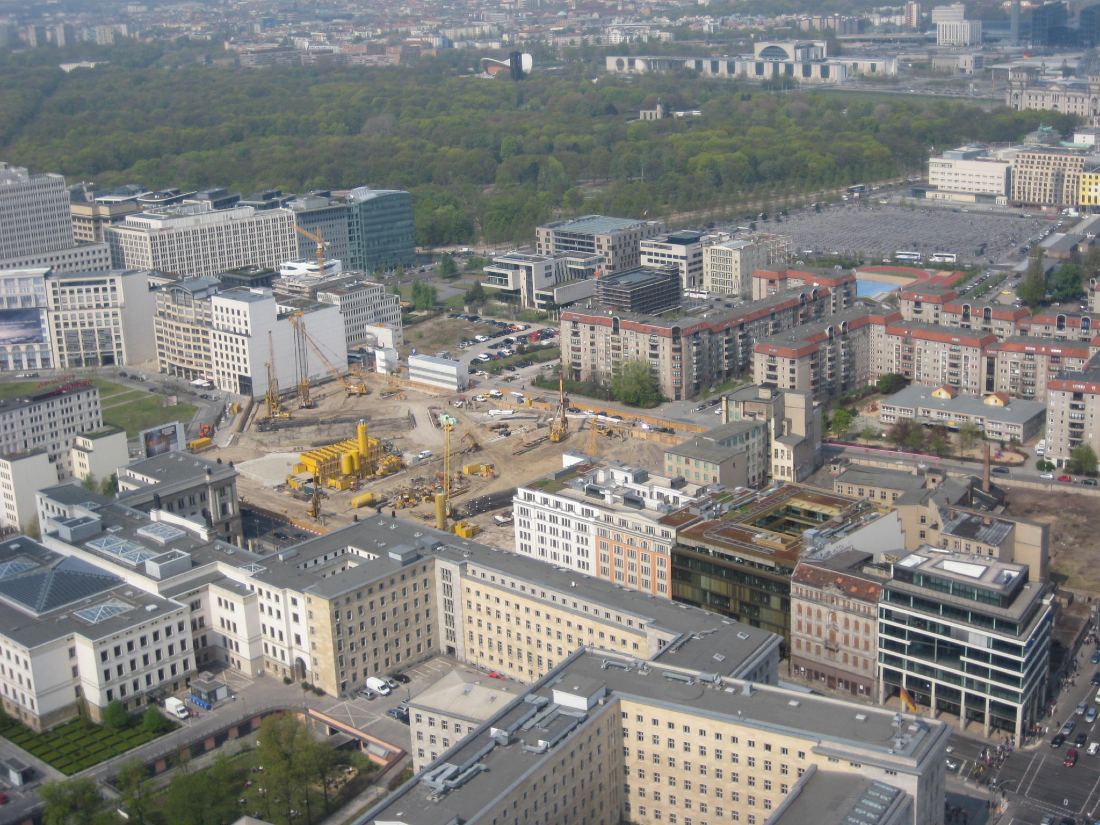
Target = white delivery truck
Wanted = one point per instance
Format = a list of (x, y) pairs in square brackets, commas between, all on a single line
[(378, 685), (176, 707)]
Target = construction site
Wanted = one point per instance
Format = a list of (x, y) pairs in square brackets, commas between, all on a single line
[(317, 454)]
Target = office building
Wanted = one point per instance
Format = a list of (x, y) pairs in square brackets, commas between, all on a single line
[(182, 324), (380, 229), (193, 239), (88, 257), (1047, 176), (320, 214), (958, 32), (999, 417), (794, 427), (24, 327), (49, 420), (34, 213), (602, 739), (1073, 412), (444, 373), (77, 638), (643, 290), (609, 521), (877, 484), (704, 344), (1050, 24), (102, 319), (733, 455), (96, 456), (371, 313), (826, 358), (616, 240), (682, 249), (967, 635), (92, 211), (250, 329), (543, 282), (451, 709), (834, 621), (728, 266), (967, 173), (912, 14), (740, 563), (1022, 366), (187, 486)]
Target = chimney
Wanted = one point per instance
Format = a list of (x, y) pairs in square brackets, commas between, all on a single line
[(985, 466)]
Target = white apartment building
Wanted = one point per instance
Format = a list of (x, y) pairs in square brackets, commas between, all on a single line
[(49, 420), (543, 281), (249, 329), (959, 33), (24, 331), (102, 319), (21, 476), (34, 213), (438, 372), (605, 521), (728, 266), (365, 307), (966, 171), (682, 249), (195, 239)]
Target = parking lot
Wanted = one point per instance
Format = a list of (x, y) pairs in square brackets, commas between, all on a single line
[(873, 232)]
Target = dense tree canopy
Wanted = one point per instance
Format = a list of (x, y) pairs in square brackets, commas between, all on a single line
[(482, 158)]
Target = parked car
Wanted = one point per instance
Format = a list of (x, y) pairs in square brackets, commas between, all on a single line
[(391, 682), (1090, 714), (1081, 708), (400, 677), (1047, 476), (1080, 740), (1000, 471), (1094, 748), (1069, 726), (1058, 739), (366, 693), (1071, 758), (1065, 479), (1089, 482)]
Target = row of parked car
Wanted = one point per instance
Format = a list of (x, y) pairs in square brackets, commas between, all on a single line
[(382, 686)]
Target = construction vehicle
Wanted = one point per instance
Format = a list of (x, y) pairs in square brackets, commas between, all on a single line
[(442, 499), (559, 427), (318, 239), (198, 444), (388, 465), (483, 470), (357, 388), (206, 430)]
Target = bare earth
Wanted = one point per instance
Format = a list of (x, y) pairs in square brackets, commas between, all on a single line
[(1074, 532)]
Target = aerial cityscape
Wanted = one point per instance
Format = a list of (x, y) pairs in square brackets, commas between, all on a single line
[(550, 411)]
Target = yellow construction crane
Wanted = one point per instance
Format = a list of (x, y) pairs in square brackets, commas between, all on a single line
[(350, 387), (314, 509), (301, 361), (274, 405), (318, 239), (559, 427), (442, 500)]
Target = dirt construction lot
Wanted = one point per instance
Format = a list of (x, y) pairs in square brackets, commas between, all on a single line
[(1074, 542), (405, 421)]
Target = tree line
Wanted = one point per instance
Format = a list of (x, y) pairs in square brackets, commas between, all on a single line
[(484, 159)]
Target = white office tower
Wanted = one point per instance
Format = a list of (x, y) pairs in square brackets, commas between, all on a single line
[(34, 213), (194, 239)]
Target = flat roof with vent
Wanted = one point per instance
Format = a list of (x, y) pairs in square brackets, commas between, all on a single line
[(474, 776)]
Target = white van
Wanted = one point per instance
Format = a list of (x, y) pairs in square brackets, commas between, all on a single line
[(378, 685), (176, 707)]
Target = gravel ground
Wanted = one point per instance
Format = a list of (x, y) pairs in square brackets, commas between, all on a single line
[(875, 232)]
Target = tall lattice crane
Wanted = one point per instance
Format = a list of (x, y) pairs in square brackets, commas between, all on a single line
[(559, 427), (301, 360), (274, 405)]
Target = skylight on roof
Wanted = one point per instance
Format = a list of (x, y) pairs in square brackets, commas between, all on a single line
[(962, 568), (160, 532), (103, 611), (16, 566), (128, 552)]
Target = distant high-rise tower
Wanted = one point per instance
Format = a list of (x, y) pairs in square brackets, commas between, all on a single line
[(912, 14), (1014, 24)]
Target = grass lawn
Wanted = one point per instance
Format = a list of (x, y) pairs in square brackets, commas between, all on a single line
[(76, 745), (130, 408)]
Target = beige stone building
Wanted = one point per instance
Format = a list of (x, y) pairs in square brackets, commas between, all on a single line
[(181, 327), (925, 301), (617, 240), (605, 740), (834, 622), (998, 319), (454, 707), (1047, 177), (841, 284), (794, 426), (1067, 326), (1025, 91), (728, 266), (690, 351), (733, 455)]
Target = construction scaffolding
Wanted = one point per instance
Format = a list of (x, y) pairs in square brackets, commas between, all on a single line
[(345, 464)]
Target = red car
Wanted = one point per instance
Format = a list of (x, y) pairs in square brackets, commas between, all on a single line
[(1065, 478), (1071, 758), (494, 675), (3, 799)]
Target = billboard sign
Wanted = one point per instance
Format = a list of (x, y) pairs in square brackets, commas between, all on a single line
[(166, 438)]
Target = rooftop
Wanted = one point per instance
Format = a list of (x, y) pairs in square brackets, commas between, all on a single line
[(474, 697), (39, 396), (834, 798), (874, 477), (471, 778), (594, 224), (916, 397), (714, 446)]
